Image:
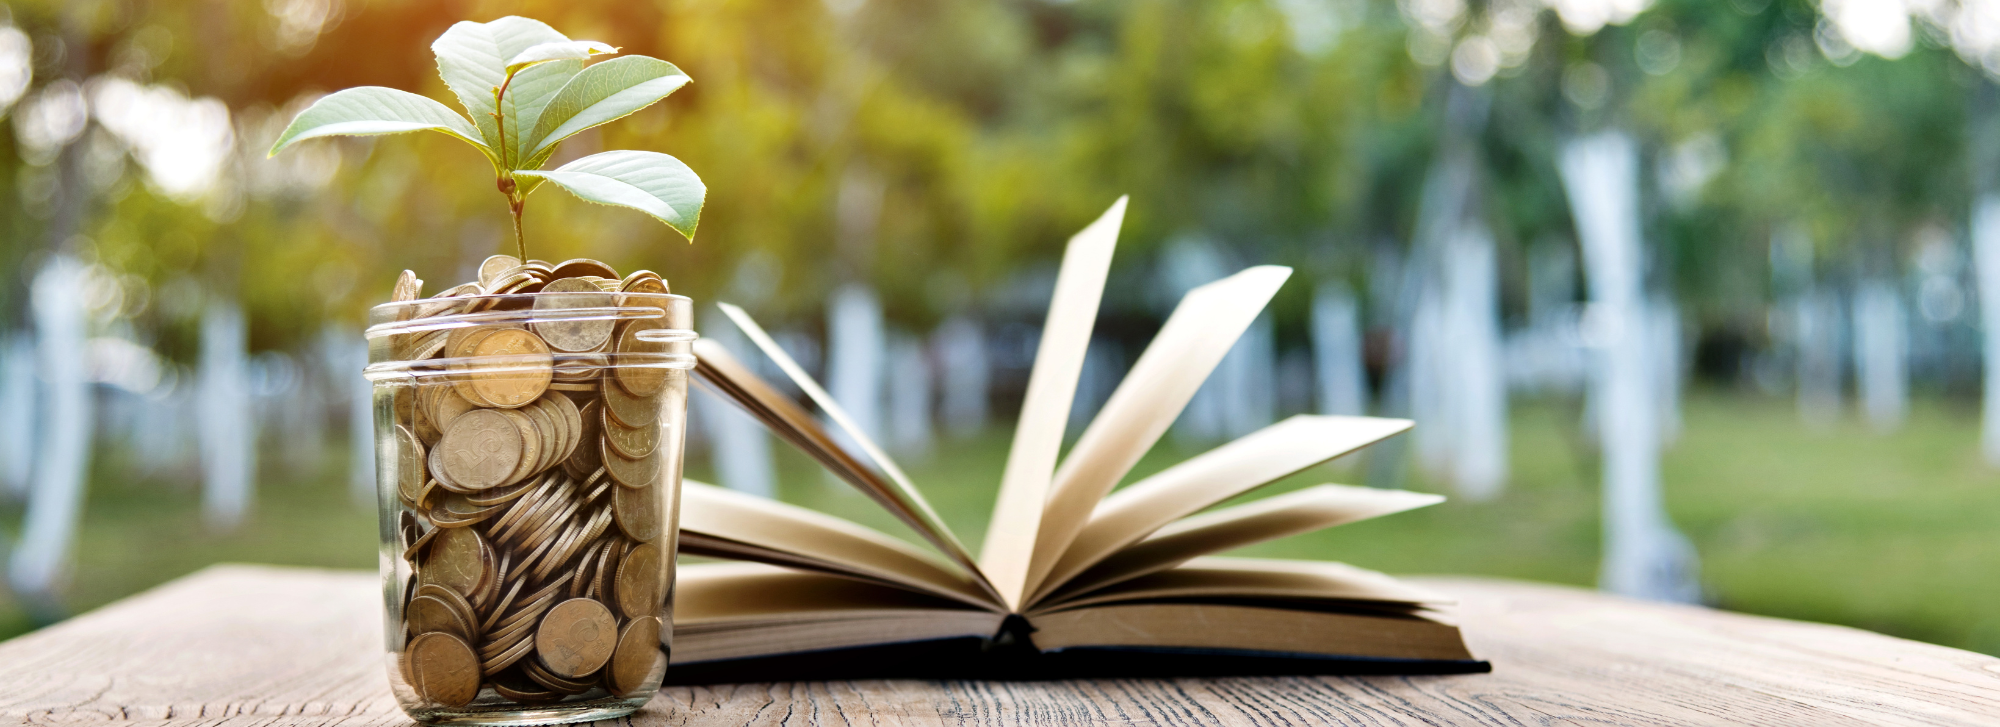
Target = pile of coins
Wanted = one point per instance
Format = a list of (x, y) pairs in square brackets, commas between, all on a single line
[(529, 476)]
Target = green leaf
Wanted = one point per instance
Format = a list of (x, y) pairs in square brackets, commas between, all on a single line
[(565, 50), (602, 93), (472, 59), (527, 96), (370, 110), (651, 182)]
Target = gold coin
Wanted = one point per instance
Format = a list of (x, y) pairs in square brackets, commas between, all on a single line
[(428, 614), (637, 376), (637, 511), (507, 654), (518, 687), (545, 434), (408, 288), (587, 458), (482, 449), (417, 546), (574, 386), (630, 410), (512, 368), (631, 473), (576, 638), (573, 335), (492, 267), (443, 669), (606, 582), (580, 367), (460, 559), (632, 661), (586, 565), (410, 460), (570, 420), (644, 282), (639, 592), (447, 405), (549, 679), (632, 442), (583, 267)]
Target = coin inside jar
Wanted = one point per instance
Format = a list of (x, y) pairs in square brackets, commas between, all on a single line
[(459, 559), (638, 377), (481, 449), (632, 662), (637, 512), (639, 582), (511, 368), (576, 638), (442, 668), (573, 335)]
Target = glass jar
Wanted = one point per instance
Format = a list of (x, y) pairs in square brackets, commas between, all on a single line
[(528, 463)]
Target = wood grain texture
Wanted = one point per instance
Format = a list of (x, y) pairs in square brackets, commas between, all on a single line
[(238, 646)]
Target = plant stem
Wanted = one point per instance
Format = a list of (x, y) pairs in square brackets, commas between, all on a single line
[(515, 200), (514, 204)]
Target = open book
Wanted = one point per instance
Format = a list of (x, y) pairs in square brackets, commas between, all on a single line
[(1074, 579)]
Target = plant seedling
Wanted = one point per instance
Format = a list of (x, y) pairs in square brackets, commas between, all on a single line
[(526, 88)]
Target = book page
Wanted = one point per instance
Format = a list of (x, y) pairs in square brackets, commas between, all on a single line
[(723, 523), (721, 372), (1194, 339), (1259, 578), (1219, 474), (1229, 627), (1304, 511), (736, 610), (910, 503), (1038, 434)]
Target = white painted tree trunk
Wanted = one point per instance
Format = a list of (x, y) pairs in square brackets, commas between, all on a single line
[(1986, 264), (855, 353), (55, 499), (1817, 317), (1644, 556), (1429, 384), (223, 418), (17, 414), (1473, 381), (1663, 320), (738, 443), (360, 417), (960, 349), (1881, 348), (1338, 370), (910, 426)]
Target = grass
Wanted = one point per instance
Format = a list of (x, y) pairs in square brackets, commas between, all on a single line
[(1892, 533)]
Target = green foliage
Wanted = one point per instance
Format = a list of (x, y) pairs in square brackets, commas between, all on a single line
[(526, 88)]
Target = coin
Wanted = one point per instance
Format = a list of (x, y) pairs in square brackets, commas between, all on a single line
[(642, 472), (580, 367), (549, 679), (639, 593), (459, 559), (443, 669), (512, 367), (632, 442), (606, 581), (637, 512), (546, 436), (643, 281), (518, 687), (632, 661), (492, 267), (588, 457), (428, 614), (630, 410), (638, 376), (408, 288), (576, 638), (481, 449), (583, 267), (410, 470), (570, 420), (568, 334), (447, 405)]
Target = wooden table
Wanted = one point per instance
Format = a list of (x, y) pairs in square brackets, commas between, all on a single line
[(250, 645)]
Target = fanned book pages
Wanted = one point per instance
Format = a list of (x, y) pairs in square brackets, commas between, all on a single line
[(1074, 579)]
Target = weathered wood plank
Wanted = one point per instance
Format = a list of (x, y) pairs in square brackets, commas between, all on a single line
[(244, 646)]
